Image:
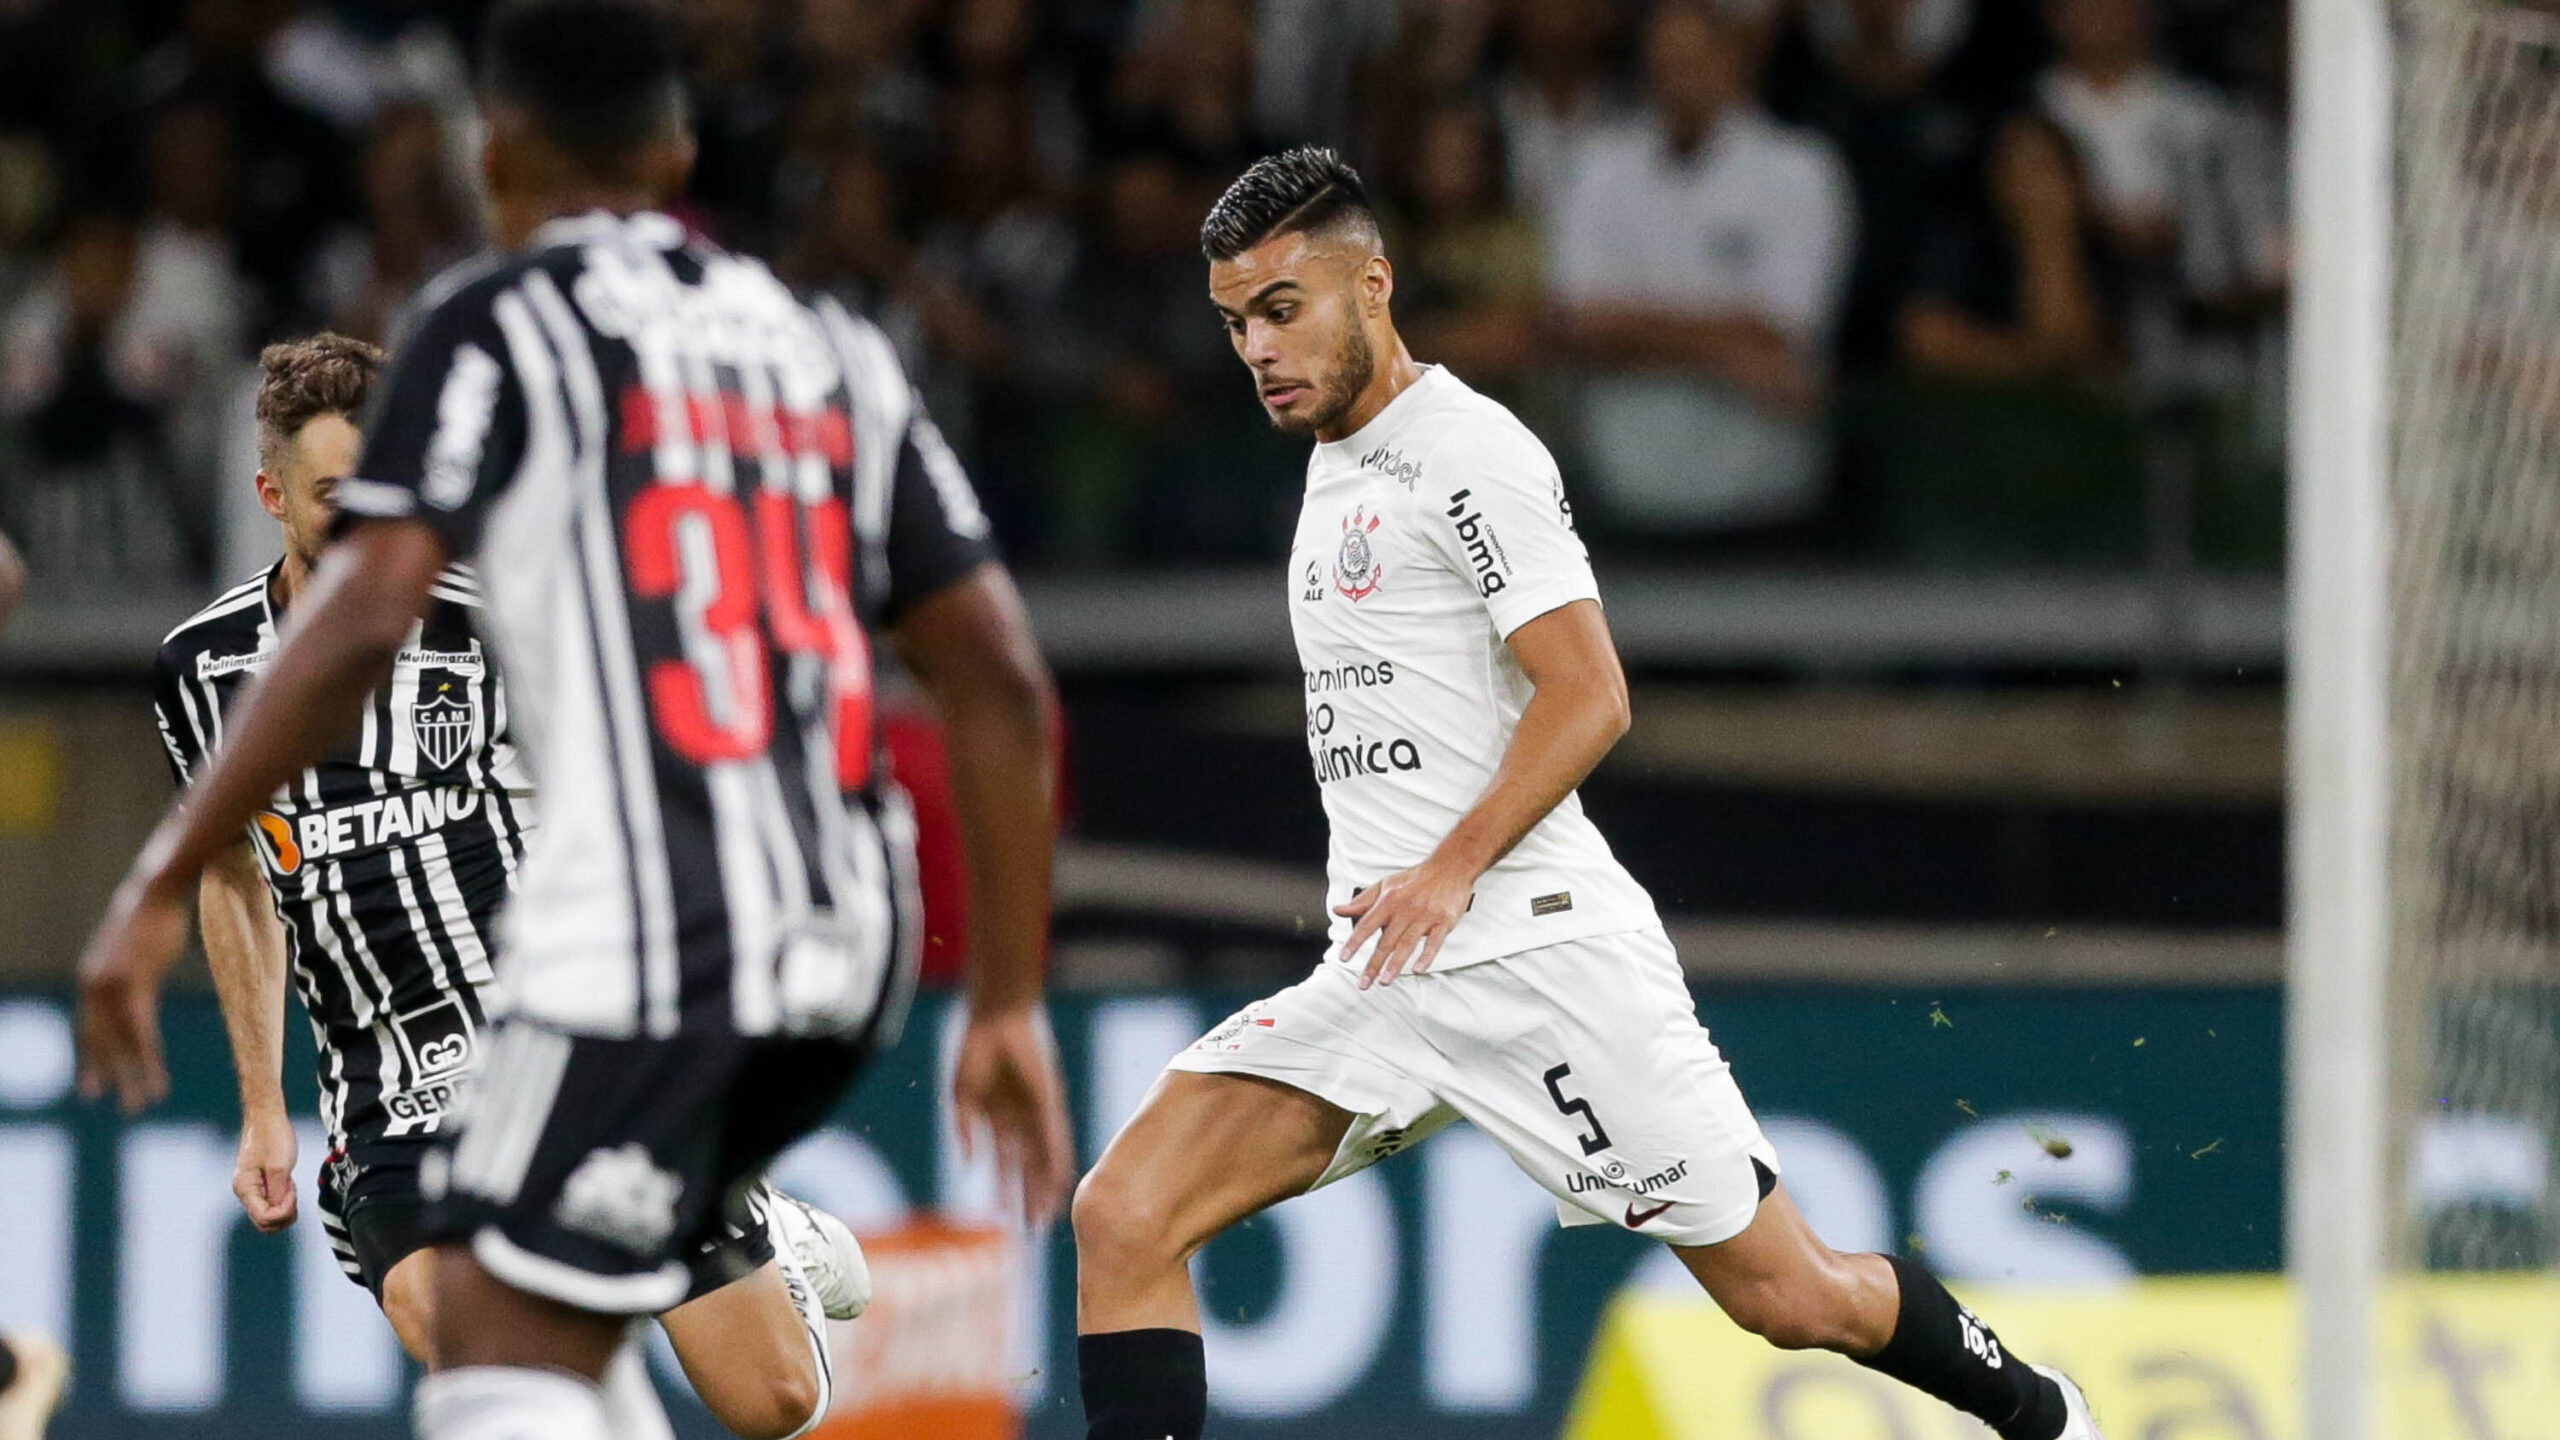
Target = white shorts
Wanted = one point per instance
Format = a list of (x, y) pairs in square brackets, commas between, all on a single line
[(1584, 1060)]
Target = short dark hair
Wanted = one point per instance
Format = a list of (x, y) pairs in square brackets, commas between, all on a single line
[(302, 380), (1295, 191), (601, 78)]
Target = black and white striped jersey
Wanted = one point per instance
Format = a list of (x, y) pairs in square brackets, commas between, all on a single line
[(693, 499), (389, 861)]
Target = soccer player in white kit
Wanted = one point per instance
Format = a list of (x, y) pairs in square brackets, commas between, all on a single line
[(1489, 959)]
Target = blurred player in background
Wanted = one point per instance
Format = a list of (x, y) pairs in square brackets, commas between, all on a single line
[(377, 878), (1460, 683), (13, 580), (33, 1372), (693, 500)]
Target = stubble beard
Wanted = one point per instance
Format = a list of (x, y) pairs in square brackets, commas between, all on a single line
[(1355, 365)]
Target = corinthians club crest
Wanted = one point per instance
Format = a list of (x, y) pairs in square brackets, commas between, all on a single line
[(1356, 571), (443, 727)]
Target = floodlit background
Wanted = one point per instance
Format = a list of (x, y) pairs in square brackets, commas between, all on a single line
[(1951, 582)]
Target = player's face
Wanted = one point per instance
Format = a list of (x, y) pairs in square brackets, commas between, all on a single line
[(1294, 310), (323, 452)]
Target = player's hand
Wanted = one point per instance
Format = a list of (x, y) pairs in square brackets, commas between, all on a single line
[(120, 975), (1409, 913), (263, 1175), (1006, 1079)]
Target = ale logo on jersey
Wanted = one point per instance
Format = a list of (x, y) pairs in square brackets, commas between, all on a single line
[(1356, 571), (443, 727)]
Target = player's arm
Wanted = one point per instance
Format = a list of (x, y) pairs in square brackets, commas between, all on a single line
[(244, 945), (339, 643), (970, 647), (957, 623), (1578, 711)]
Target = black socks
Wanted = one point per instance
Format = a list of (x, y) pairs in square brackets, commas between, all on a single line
[(1940, 1348), (1143, 1385)]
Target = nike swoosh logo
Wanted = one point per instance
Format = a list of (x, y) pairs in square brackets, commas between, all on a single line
[(1637, 1217)]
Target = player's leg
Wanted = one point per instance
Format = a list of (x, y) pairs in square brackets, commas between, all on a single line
[(1778, 1280), (375, 1218), (33, 1371), (752, 1336), (746, 1347), (409, 1303), (1203, 1152), (586, 1172), (1285, 1095), (510, 1362), (1586, 1062)]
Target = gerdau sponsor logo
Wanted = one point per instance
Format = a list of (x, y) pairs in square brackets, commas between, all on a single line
[(1484, 549)]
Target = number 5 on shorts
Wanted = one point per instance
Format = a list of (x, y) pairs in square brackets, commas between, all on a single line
[(1574, 1105)]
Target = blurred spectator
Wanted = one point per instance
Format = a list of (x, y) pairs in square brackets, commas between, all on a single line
[(102, 364), (739, 121), (859, 73), (1168, 454), (989, 272), (2190, 213), (1875, 92), (291, 181), (1186, 84), (1559, 89), (2005, 285), (1698, 259), (2143, 130), (1468, 282), (418, 220), (1309, 54), (850, 246)]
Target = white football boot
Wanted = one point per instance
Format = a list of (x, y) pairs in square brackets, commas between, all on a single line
[(827, 1253), (2078, 1423)]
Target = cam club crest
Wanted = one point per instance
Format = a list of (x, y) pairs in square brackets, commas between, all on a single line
[(1356, 571), (443, 727)]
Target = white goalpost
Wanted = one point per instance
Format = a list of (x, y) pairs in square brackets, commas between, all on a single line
[(2338, 752), (2423, 992)]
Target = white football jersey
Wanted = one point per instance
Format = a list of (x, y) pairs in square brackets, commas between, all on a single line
[(1426, 539)]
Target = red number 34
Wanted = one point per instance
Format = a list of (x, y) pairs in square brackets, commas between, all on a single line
[(696, 547)]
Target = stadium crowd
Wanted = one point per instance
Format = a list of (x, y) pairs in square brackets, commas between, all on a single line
[(1920, 280)]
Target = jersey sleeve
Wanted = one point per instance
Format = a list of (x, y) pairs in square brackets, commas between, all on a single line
[(446, 427), (1496, 514), (936, 533), (170, 706)]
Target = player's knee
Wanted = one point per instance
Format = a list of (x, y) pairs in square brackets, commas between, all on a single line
[(1115, 1223), (778, 1406), (408, 1303)]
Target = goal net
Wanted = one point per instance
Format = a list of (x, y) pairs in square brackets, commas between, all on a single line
[(2474, 639)]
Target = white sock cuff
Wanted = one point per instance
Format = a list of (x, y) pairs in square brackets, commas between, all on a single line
[(508, 1402)]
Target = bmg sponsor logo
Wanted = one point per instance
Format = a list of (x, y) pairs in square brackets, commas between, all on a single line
[(1484, 548)]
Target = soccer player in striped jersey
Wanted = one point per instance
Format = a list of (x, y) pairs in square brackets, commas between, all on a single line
[(377, 879), (694, 501)]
